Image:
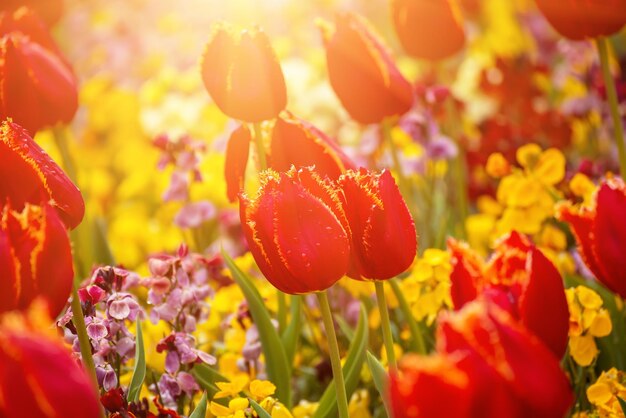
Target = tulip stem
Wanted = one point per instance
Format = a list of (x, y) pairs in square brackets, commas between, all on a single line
[(260, 146), (282, 311), (418, 339), (83, 339), (335, 359), (384, 320), (611, 94), (385, 126)]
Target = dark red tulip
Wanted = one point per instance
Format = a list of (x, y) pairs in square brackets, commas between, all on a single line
[(39, 377), (48, 10), (580, 19), (518, 278), (384, 240), (296, 230), (601, 234), (37, 88), (429, 29), (28, 175), (490, 367), (36, 258), (362, 71), (242, 74), (236, 160)]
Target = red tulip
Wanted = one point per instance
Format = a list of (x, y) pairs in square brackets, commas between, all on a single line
[(362, 71), (384, 241), (601, 234), (27, 22), (294, 142), (242, 74), (485, 366), (35, 258), (37, 88), (580, 19), (296, 231), (28, 175), (518, 278), (429, 29), (40, 378), (48, 10)]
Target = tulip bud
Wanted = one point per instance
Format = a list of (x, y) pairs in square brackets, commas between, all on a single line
[(580, 19), (601, 234), (296, 230), (38, 375), (362, 72), (384, 241), (29, 175), (27, 22), (242, 74), (429, 29), (35, 258), (519, 279)]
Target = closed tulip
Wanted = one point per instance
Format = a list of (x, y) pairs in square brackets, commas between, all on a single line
[(29, 175), (294, 142), (428, 29), (242, 74), (485, 366), (362, 72), (580, 19), (35, 258), (384, 240), (296, 231), (518, 278), (28, 22), (601, 234), (38, 375), (48, 10)]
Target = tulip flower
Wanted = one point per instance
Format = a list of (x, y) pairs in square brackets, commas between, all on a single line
[(38, 375), (48, 10), (429, 29), (296, 231), (28, 175), (384, 240), (518, 278), (362, 72), (37, 88), (294, 142), (486, 365), (242, 74), (36, 258), (601, 234), (27, 22), (580, 19)]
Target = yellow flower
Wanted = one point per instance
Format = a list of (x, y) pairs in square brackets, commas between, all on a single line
[(305, 409), (497, 166), (359, 403), (232, 388), (583, 349), (236, 408), (261, 389), (604, 392)]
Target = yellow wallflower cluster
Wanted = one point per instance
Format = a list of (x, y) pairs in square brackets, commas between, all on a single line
[(604, 392), (427, 289), (588, 320), (260, 391)]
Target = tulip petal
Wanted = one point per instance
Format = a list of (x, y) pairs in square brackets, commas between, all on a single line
[(466, 273), (236, 161), (9, 272)]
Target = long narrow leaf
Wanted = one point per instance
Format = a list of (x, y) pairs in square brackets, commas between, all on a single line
[(351, 370), (379, 375), (292, 333), (278, 368), (259, 410), (139, 374), (200, 411)]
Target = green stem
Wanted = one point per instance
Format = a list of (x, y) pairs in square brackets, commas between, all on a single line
[(416, 334), (83, 338), (385, 126), (384, 321), (260, 146), (611, 94), (335, 359), (282, 311)]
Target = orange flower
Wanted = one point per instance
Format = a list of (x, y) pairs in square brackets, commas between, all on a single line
[(35, 258), (580, 19), (294, 142), (429, 29), (38, 376), (242, 74), (48, 10), (601, 234), (296, 231), (362, 71), (518, 278), (28, 175), (384, 241), (485, 366)]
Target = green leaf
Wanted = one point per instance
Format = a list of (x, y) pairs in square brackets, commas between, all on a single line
[(417, 339), (206, 376), (292, 333), (278, 368), (259, 410), (622, 403), (139, 374), (381, 379), (200, 411), (351, 370)]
